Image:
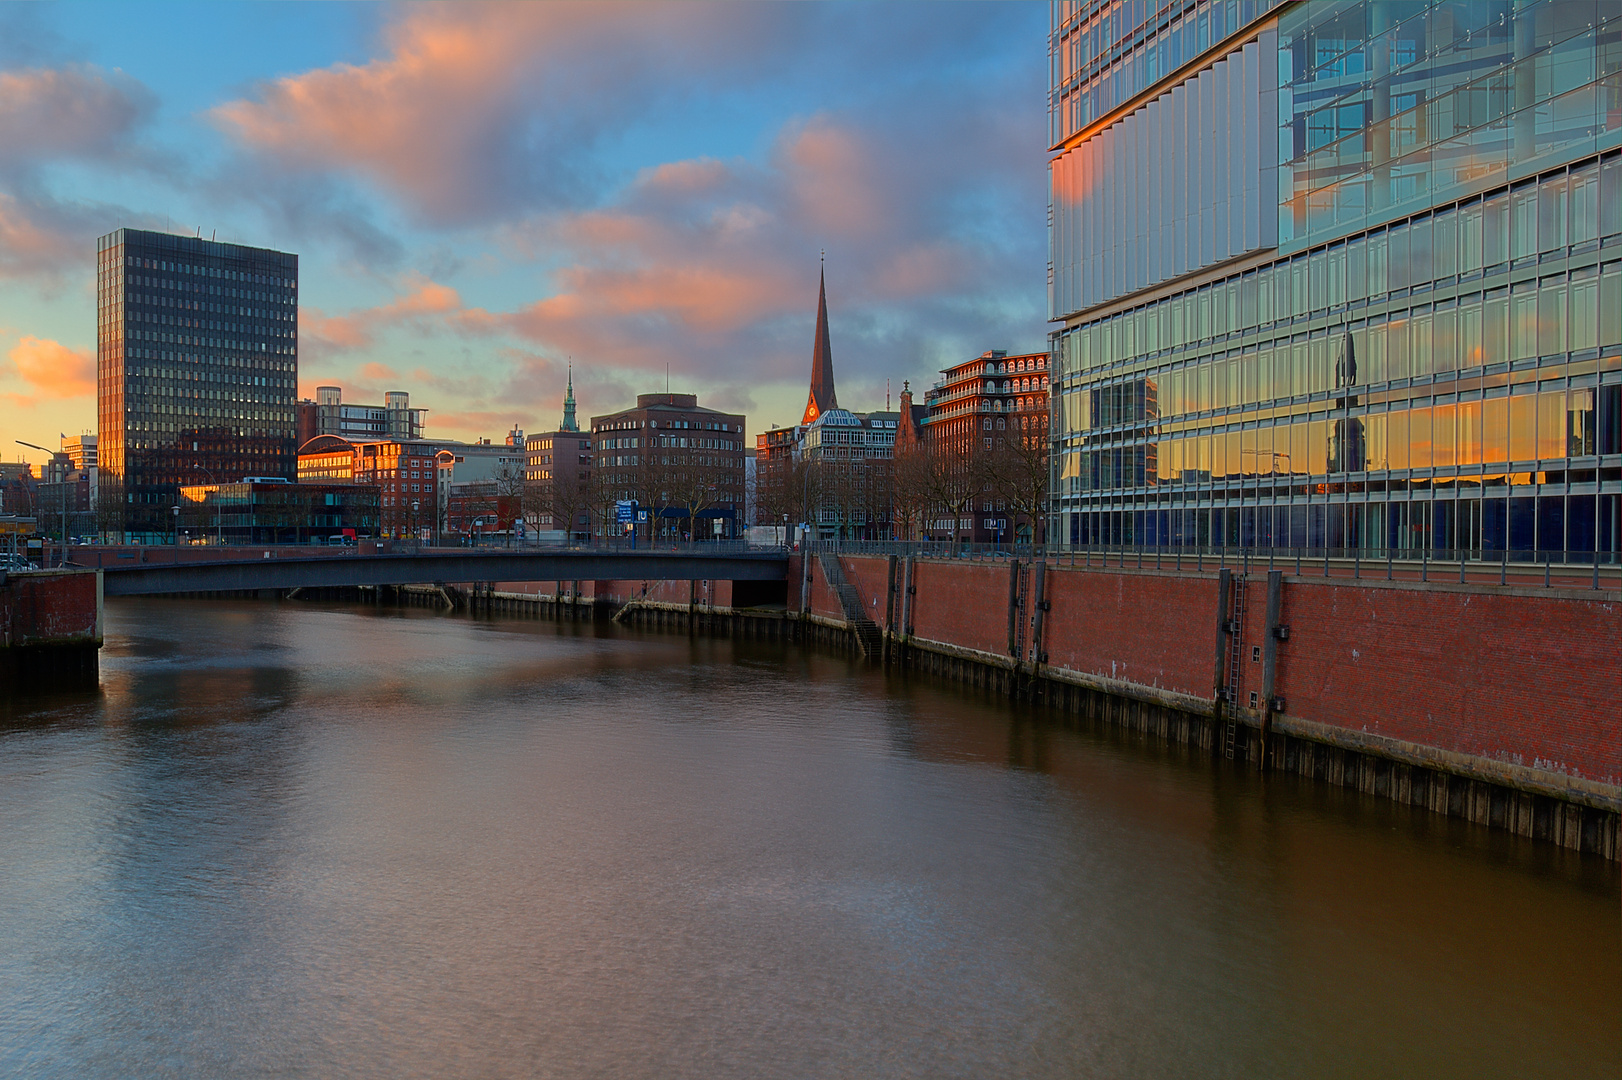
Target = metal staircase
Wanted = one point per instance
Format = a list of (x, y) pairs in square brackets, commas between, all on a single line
[(869, 638)]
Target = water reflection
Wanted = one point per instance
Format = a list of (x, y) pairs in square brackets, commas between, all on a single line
[(302, 840)]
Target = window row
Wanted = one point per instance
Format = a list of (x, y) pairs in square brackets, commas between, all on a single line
[(1517, 527), (1550, 426), (1548, 217)]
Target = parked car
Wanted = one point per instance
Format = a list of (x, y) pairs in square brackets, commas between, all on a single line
[(15, 563)]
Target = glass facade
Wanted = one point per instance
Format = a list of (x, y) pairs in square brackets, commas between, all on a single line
[(197, 371), (1430, 357), (1103, 53)]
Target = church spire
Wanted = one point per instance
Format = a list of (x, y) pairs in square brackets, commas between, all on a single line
[(569, 422), (822, 362)]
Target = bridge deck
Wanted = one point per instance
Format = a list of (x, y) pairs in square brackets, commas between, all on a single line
[(152, 579)]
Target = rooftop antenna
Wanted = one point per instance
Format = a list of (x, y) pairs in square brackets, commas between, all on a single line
[(667, 376), (212, 233), (886, 394)]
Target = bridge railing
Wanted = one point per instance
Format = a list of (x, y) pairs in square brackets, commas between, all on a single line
[(1517, 567)]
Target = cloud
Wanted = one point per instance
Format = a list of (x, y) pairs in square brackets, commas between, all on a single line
[(53, 370), (710, 265), (480, 109), (76, 111), (75, 114), (324, 335), (598, 149)]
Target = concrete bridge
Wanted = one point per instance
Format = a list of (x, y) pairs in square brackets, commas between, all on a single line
[(349, 568)]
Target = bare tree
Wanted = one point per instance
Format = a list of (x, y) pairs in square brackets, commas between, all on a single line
[(690, 482), (954, 478), (607, 485), (511, 490), (876, 497), (911, 498), (537, 506), (571, 500), (1017, 467), (109, 509)]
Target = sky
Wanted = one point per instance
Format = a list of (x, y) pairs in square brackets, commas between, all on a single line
[(480, 196)]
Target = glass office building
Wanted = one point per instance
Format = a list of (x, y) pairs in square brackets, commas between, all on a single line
[(1338, 275), (197, 372)]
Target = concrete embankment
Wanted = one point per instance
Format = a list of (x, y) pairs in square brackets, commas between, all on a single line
[(50, 627)]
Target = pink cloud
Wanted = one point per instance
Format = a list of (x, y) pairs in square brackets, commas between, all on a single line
[(53, 369), (325, 335), (829, 171), (478, 107)]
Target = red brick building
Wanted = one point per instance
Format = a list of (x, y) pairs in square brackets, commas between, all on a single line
[(983, 416), (403, 470)]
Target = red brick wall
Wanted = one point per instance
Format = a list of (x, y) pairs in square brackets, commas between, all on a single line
[(962, 604), (1151, 630), (824, 601), (1526, 679), (48, 608)]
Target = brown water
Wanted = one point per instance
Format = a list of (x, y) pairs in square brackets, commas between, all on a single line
[(317, 841)]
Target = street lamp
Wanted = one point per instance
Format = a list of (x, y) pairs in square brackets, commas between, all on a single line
[(64, 482), (176, 509), (416, 535)]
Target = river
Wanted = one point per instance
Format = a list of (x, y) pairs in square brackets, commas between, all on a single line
[(319, 840)]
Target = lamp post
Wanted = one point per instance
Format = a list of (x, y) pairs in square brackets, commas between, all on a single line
[(416, 535), (64, 483), (176, 509)]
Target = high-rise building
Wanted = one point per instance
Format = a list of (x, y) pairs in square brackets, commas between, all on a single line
[(1338, 275), (197, 371), (81, 450), (329, 414)]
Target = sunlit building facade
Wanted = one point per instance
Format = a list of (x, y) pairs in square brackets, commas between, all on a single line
[(1338, 275)]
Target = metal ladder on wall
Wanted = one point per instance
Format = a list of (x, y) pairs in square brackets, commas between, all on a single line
[(1236, 662), (1022, 610)]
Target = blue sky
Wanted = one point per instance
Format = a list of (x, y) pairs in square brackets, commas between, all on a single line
[(481, 194)]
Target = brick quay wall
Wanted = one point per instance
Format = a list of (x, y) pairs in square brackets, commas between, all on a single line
[(50, 627), (1497, 704)]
